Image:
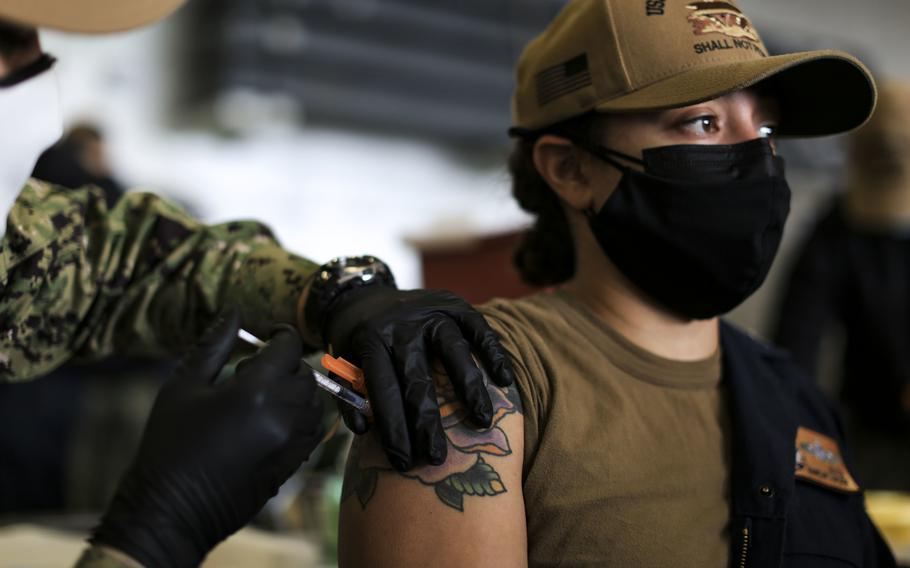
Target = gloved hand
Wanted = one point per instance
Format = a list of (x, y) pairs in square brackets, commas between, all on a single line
[(213, 454), (392, 335)]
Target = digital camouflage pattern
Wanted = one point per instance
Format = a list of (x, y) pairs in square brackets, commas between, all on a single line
[(79, 280)]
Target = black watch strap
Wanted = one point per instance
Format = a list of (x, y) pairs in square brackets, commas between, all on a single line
[(338, 276)]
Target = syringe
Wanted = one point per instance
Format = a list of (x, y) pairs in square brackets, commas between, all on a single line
[(333, 387)]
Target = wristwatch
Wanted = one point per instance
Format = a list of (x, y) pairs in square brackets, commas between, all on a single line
[(336, 277)]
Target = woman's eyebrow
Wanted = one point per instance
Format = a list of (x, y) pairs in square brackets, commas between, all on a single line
[(673, 115)]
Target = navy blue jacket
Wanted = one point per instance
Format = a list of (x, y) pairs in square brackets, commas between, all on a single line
[(778, 519)]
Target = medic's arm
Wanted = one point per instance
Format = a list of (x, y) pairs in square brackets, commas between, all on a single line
[(77, 279), (467, 512)]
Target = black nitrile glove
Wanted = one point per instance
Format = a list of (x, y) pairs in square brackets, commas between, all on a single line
[(213, 454), (393, 335)]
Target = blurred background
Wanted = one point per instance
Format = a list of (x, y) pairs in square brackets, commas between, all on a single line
[(356, 126)]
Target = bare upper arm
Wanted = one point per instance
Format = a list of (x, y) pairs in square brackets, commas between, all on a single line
[(467, 512)]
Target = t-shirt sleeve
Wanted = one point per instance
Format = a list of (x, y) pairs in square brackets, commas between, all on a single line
[(531, 377)]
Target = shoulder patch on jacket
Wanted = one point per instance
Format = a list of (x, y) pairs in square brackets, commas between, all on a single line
[(819, 460)]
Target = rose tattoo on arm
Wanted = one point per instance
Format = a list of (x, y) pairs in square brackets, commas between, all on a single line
[(465, 472)]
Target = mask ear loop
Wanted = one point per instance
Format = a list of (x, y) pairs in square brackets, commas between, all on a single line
[(596, 150), (605, 154)]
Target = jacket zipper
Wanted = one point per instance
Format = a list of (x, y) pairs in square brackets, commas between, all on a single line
[(744, 551)]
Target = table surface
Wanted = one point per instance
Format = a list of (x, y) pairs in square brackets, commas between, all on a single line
[(35, 546)]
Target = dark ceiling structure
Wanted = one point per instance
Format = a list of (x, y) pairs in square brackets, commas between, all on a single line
[(437, 68)]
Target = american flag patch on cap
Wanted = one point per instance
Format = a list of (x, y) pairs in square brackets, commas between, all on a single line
[(558, 80)]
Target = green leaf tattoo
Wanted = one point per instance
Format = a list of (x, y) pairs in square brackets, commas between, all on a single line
[(366, 486), (481, 480), (360, 482), (465, 472), (450, 496)]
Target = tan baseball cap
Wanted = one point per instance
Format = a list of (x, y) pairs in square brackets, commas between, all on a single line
[(87, 16), (636, 55)]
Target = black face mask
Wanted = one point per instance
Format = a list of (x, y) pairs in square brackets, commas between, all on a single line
[(698, 229)]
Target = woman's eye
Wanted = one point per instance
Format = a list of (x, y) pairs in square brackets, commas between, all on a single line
[(766, 131), (702, 125)]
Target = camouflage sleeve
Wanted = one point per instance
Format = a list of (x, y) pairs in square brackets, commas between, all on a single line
[(96, 557), (77, 279)]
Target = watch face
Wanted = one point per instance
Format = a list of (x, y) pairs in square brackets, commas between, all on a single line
[(345, 269), (355, 261), (362, 268), (338, 276)]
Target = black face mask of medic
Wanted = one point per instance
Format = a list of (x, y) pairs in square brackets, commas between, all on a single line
[(698, 229)]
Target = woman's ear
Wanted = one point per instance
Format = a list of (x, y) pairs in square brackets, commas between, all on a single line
[(559, 163)]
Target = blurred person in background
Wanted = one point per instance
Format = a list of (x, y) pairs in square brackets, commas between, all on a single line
[(78, 159), (49, 428), (852, 278), (641, 430)]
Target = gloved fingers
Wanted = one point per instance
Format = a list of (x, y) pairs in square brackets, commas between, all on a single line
[(295, 394), (289, 408), (307, 432), (466, 378), (304, 445), (287, 459), (242, 364), (309, 423), (279, 358), (355, 421), (203, 363), (485, 342), (428, 440), (277, 328), (387, 403)]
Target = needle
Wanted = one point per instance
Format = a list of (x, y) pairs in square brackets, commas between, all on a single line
[(333, 387)]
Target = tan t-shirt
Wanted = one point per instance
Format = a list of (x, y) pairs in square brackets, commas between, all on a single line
[(626, 453)]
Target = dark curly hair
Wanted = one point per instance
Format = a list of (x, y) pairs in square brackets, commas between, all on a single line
[(15, 38), (546, 254)]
